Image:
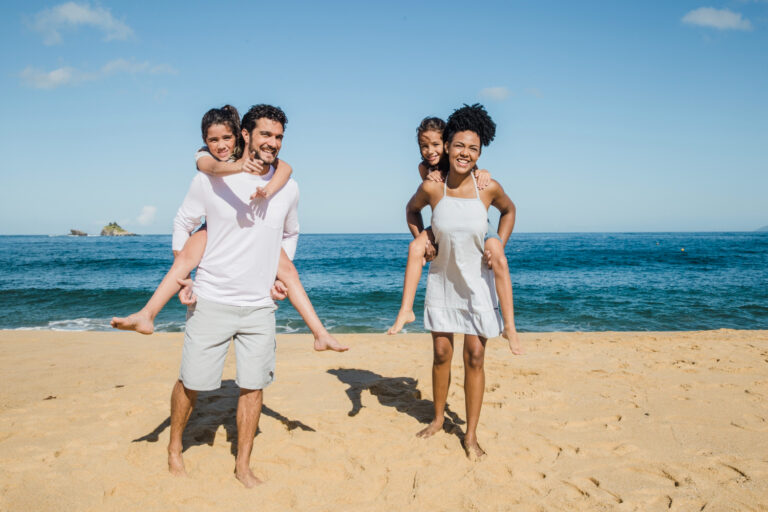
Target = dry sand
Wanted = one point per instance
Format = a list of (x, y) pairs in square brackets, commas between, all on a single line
[(584, 421)]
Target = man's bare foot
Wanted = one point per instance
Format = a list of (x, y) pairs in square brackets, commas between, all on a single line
[(431, 429), (139, 322), (176, 464), (247, 478), (403, 317), (514, 341), (473, 450), (327, 342)]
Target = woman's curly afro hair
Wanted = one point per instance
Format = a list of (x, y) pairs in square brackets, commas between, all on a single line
[(472, 118)]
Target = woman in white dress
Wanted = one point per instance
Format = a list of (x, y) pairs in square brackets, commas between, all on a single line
[(461, 297)]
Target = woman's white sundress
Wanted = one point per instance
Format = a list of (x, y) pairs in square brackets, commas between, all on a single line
[(461, 295)]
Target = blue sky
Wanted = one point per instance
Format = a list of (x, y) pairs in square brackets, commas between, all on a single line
[(612, 116)]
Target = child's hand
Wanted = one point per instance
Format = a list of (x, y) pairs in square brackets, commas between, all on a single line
[(483, 178), (261, 192), (435, 176), (186, 296), (253, 166), (430, 251), (279, 291)]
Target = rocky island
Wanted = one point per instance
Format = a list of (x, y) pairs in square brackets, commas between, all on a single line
[(113, 229), (77, 232)]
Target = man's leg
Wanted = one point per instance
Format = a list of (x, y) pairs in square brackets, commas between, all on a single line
[(248, 413), (206, 339), (474, 387), (255, 346), (182, 403), (442, 345)]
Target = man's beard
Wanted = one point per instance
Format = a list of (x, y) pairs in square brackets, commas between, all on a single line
[(267, 158)]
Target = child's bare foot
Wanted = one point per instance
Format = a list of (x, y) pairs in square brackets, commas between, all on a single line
[(139, 322), (327, 342), (403, 317), (431, 429), (247, 478), (514, 341), (473, 450), (176, 464)]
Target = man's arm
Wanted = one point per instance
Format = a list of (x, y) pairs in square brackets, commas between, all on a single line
[(189, 215), (291, 227)]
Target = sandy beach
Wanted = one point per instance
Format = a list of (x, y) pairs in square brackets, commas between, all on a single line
[(584, 421)]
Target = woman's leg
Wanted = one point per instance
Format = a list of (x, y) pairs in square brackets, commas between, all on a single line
[(185, 261), (500, 269), (474, 387), (442, 346), (416, 260), (287, 273)]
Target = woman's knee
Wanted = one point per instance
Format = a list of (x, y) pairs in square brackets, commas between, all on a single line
[(443, 353), (475, 357)]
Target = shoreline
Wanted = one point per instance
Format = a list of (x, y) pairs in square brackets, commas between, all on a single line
[(601, 420)]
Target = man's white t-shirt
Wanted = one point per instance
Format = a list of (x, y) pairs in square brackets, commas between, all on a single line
[(244, 237)]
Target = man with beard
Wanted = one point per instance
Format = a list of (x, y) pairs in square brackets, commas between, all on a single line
[(233, 284)]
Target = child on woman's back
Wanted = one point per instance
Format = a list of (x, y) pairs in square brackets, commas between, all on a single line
[(433, 167)]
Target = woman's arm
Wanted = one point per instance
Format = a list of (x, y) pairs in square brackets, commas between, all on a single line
[(501, 201), (413, 209)]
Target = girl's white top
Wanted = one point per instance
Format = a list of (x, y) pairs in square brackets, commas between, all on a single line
[(244, 237), (461, 295)]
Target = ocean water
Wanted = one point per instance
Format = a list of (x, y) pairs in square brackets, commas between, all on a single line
[(562, 282)]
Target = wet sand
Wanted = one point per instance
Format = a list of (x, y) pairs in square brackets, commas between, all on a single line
[(583, 421)]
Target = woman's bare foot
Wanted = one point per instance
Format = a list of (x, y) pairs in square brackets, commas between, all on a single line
[(403, 317), (473, 450), (247, 478), (514, 341), (327, 342), (431, 429), (140, 322), (176, 464)]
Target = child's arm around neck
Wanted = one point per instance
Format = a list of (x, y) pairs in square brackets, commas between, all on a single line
[(211, 166), (282, 174)]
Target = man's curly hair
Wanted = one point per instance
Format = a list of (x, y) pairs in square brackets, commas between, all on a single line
[(473, 118), (256, 112)]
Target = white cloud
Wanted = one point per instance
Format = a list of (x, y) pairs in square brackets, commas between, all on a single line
[(721, 19), (147, 215), (534, 92), (495, 93), (70, 15), (40, 79), (49, 79)]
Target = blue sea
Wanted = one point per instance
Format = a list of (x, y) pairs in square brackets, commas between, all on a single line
[(562, 282)]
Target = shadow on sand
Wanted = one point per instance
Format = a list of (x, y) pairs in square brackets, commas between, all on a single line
[(213, 409), (398, 392)]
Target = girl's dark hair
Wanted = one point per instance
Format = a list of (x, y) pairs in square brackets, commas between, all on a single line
[(473, 118), (228, 116), (429, 124)]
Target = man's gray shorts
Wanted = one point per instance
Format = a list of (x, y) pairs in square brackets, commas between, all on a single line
[(210, 326)]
